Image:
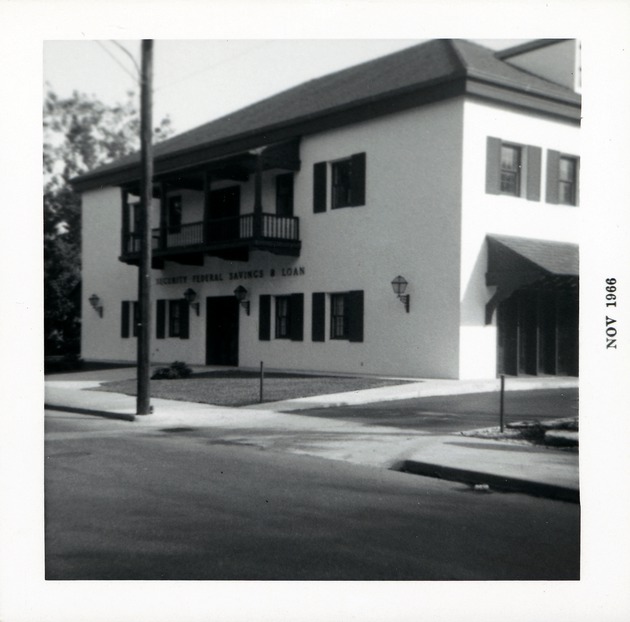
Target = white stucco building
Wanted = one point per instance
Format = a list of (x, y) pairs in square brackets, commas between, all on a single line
[(449, 164)]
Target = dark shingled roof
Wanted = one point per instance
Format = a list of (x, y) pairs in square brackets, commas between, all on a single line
[(410, 70), (555, 258)]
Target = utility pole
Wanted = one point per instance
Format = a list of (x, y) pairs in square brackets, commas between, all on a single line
[(144, 270)]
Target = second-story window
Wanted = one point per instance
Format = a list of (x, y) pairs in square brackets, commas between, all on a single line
[(567, 180), (511, 170), (346, 183), (175, 214), (563, 178), (341, 186)]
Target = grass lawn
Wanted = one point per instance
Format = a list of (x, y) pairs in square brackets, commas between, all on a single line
[(240, 388)]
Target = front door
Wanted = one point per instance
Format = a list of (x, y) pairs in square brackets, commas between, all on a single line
[(222, 316)]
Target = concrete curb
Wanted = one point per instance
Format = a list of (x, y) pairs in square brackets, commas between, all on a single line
[(498, 482), (93, 412)]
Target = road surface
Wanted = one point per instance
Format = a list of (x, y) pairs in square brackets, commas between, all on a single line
[(129, 503)]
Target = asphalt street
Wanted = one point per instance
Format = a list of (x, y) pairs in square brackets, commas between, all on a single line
[(451, 413), (129, 503)]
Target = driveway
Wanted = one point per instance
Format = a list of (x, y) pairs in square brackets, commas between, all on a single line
[(454, 413)]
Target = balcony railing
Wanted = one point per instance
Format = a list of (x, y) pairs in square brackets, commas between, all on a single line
[(222, 231)]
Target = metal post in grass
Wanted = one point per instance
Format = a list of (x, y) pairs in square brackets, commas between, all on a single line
[(502, 409), (262, 378)]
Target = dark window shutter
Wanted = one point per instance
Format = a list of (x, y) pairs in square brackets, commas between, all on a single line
[(124, 319), (357, 179), (319, 187), (553, 169), (493, 165), (264, 318), (355, 315), (296, 321), (184, 312), (533, 173), (160, 320), (318, 329)]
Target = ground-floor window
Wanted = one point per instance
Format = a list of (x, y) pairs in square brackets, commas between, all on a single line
[(175, 315), (538, 332), (346, 316), (289, 317), (338, 321), (283, 327)]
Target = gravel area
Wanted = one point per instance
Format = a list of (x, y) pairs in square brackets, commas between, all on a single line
[(240, 388)]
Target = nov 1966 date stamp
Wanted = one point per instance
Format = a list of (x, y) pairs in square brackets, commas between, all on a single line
[(611, 305)]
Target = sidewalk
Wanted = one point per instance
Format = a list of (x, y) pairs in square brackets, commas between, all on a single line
[(499, 464)]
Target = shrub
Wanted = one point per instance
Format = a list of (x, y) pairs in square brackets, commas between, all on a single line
[(177, 370)]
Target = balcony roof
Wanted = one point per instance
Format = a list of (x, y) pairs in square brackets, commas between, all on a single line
[(424, 73)]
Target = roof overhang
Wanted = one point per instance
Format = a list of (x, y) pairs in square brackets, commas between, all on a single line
[(514, 263)]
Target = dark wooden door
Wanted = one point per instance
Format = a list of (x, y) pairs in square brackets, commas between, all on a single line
[(222, 317), (225, 207)]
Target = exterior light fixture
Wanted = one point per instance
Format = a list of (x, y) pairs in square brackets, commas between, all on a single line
[(96, 303), (400, 286), (190, 295), (241, 294)]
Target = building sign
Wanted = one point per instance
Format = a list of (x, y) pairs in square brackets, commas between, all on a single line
[(240, 275)]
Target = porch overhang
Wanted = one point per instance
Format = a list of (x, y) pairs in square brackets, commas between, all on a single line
[(515, 262)]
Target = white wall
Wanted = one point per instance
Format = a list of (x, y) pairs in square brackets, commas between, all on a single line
[(410, 225), (500, 214)]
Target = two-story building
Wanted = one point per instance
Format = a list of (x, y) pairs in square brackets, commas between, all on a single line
[(415, 215)]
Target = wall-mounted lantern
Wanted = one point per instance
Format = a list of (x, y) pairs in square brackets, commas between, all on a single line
[(96, 303), (241, 295), (400, 286), (190, 296)]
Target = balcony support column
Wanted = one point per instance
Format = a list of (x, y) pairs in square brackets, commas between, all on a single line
[(258, 207), (163, 241), (125, 222), (207, 188)]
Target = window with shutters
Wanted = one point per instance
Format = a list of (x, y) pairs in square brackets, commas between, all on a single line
[(283, 328), (289, 317), (346, 316), (513, 169), (346, 185)]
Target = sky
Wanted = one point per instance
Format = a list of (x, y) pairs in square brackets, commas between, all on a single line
[(196, 81)]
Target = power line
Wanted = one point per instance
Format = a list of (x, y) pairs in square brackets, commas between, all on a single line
[(134, 78), (211, 66), (129, 54)]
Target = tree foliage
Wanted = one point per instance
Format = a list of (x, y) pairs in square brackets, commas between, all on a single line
[(81, 133)]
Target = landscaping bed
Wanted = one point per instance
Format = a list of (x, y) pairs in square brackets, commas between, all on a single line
[(557, 433), (242, 388)]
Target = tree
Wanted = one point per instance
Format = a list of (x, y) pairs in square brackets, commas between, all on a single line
[(81, 133)]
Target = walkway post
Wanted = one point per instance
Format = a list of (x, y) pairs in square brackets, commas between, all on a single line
[(144, 270), (501, 413)]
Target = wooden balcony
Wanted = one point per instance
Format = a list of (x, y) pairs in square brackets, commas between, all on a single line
[(229, 238)]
